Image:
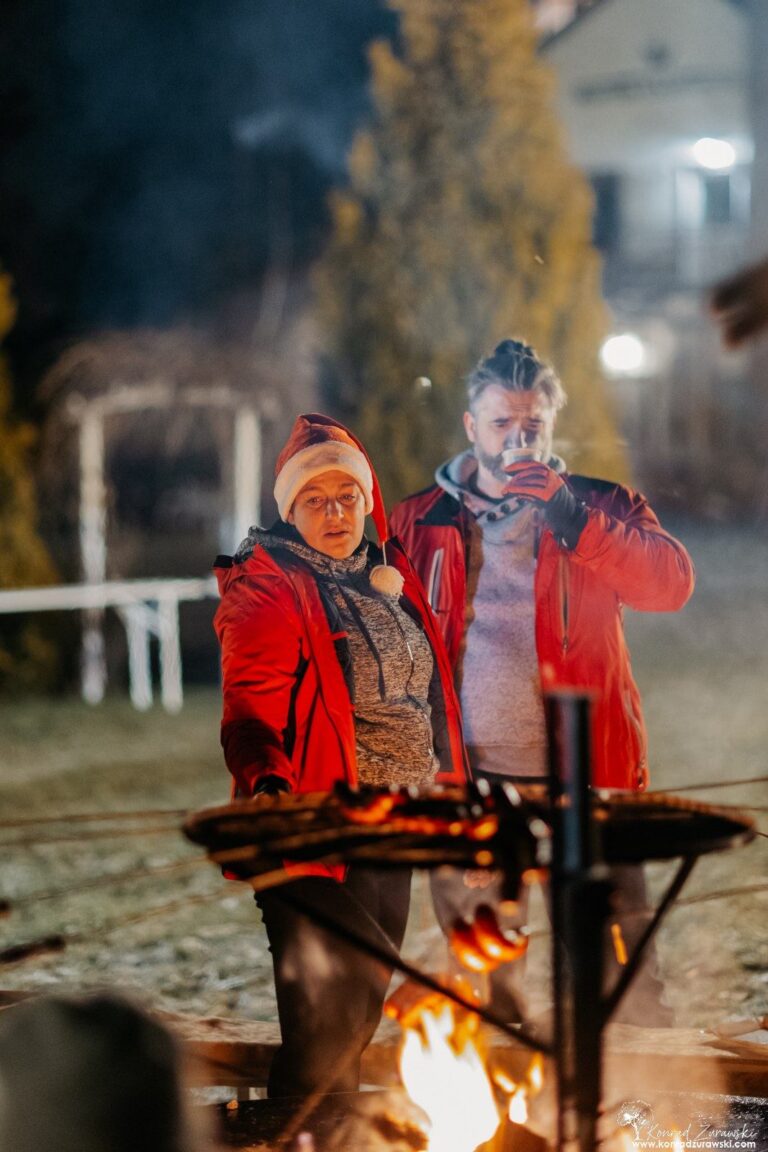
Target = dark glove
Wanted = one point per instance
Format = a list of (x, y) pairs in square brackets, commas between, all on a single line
[(271, 786), (538, 483)]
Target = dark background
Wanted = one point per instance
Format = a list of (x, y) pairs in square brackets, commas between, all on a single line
[(158, 156)]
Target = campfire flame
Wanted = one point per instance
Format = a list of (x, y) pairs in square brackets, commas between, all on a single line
[(535, 1073), (619, 947), (448, 1083), (518, 1106), (443, 1069)]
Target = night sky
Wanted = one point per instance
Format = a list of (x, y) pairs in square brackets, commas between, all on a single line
[(157, 156)]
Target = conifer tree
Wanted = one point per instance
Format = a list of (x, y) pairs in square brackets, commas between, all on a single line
[(26, 656), (463, 223)]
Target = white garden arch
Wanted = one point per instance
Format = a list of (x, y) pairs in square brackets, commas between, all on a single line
[(129, 374), (158, 616)]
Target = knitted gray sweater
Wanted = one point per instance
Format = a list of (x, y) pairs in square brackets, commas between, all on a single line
[(498, 671)]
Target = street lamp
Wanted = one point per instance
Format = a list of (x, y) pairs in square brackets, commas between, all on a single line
[(624, 354), (715, 155)]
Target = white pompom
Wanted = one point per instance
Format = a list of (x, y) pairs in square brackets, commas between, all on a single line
[(386, 580)]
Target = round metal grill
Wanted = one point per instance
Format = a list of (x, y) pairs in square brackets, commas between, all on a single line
[(478, 827)]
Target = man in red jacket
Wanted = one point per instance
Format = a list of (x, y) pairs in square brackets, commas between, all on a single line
[(528, 569)]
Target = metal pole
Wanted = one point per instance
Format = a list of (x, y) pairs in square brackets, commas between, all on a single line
[(580, 909)]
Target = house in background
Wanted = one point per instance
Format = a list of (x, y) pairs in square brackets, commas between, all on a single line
[(552, 15), (653, 97)]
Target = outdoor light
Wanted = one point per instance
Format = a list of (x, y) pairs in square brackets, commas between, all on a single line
[(624, 355), (716, 155)]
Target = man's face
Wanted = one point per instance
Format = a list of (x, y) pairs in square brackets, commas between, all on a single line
[(504, 419)]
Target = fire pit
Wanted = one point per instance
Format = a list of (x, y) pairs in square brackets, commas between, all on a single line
[(567, 830), (354, 1122)]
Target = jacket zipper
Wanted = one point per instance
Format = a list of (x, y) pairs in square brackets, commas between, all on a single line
[(435, 579), (563, 580)]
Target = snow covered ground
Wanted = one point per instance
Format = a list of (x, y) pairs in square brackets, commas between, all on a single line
[(703, 674)]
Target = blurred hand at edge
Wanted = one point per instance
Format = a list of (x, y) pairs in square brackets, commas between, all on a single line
[(739, 305)]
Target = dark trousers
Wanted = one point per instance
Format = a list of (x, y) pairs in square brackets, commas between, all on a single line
[(642, 1004), (329, 993)]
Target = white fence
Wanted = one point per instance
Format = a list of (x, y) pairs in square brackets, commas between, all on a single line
[(146, 607)]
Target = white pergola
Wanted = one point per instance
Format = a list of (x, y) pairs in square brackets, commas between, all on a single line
[(145, 607)]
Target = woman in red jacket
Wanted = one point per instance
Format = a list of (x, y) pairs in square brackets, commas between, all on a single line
[(333, 671)]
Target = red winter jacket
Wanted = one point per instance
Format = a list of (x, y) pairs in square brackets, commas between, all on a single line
[(623, 557), (287, 708)]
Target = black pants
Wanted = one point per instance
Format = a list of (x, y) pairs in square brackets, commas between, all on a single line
[(643, 1003), (330, 994)]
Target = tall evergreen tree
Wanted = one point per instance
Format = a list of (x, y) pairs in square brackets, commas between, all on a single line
[(26, 656), (463, 223)]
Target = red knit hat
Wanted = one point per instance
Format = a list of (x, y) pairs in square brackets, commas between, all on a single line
[(320, 444)]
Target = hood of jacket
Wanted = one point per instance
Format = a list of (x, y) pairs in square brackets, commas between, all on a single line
[(458, 477), (282, 542), (500, 518)]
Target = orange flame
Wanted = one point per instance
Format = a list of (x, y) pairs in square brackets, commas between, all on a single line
[(619, 946), (518, 1106), (449, 1083), (677, 1142), (535, 1073), (506, 1083)]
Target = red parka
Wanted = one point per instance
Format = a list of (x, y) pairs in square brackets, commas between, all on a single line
[(623, 557), (287, 708)]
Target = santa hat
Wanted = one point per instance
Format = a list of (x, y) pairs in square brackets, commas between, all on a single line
[(320, 444)]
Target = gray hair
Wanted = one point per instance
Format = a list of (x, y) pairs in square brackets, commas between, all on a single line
[(516, 367)]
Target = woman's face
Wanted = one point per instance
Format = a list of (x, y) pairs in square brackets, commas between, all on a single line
[(329, 514)]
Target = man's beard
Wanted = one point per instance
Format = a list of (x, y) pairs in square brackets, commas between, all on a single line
[(493, 464)]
